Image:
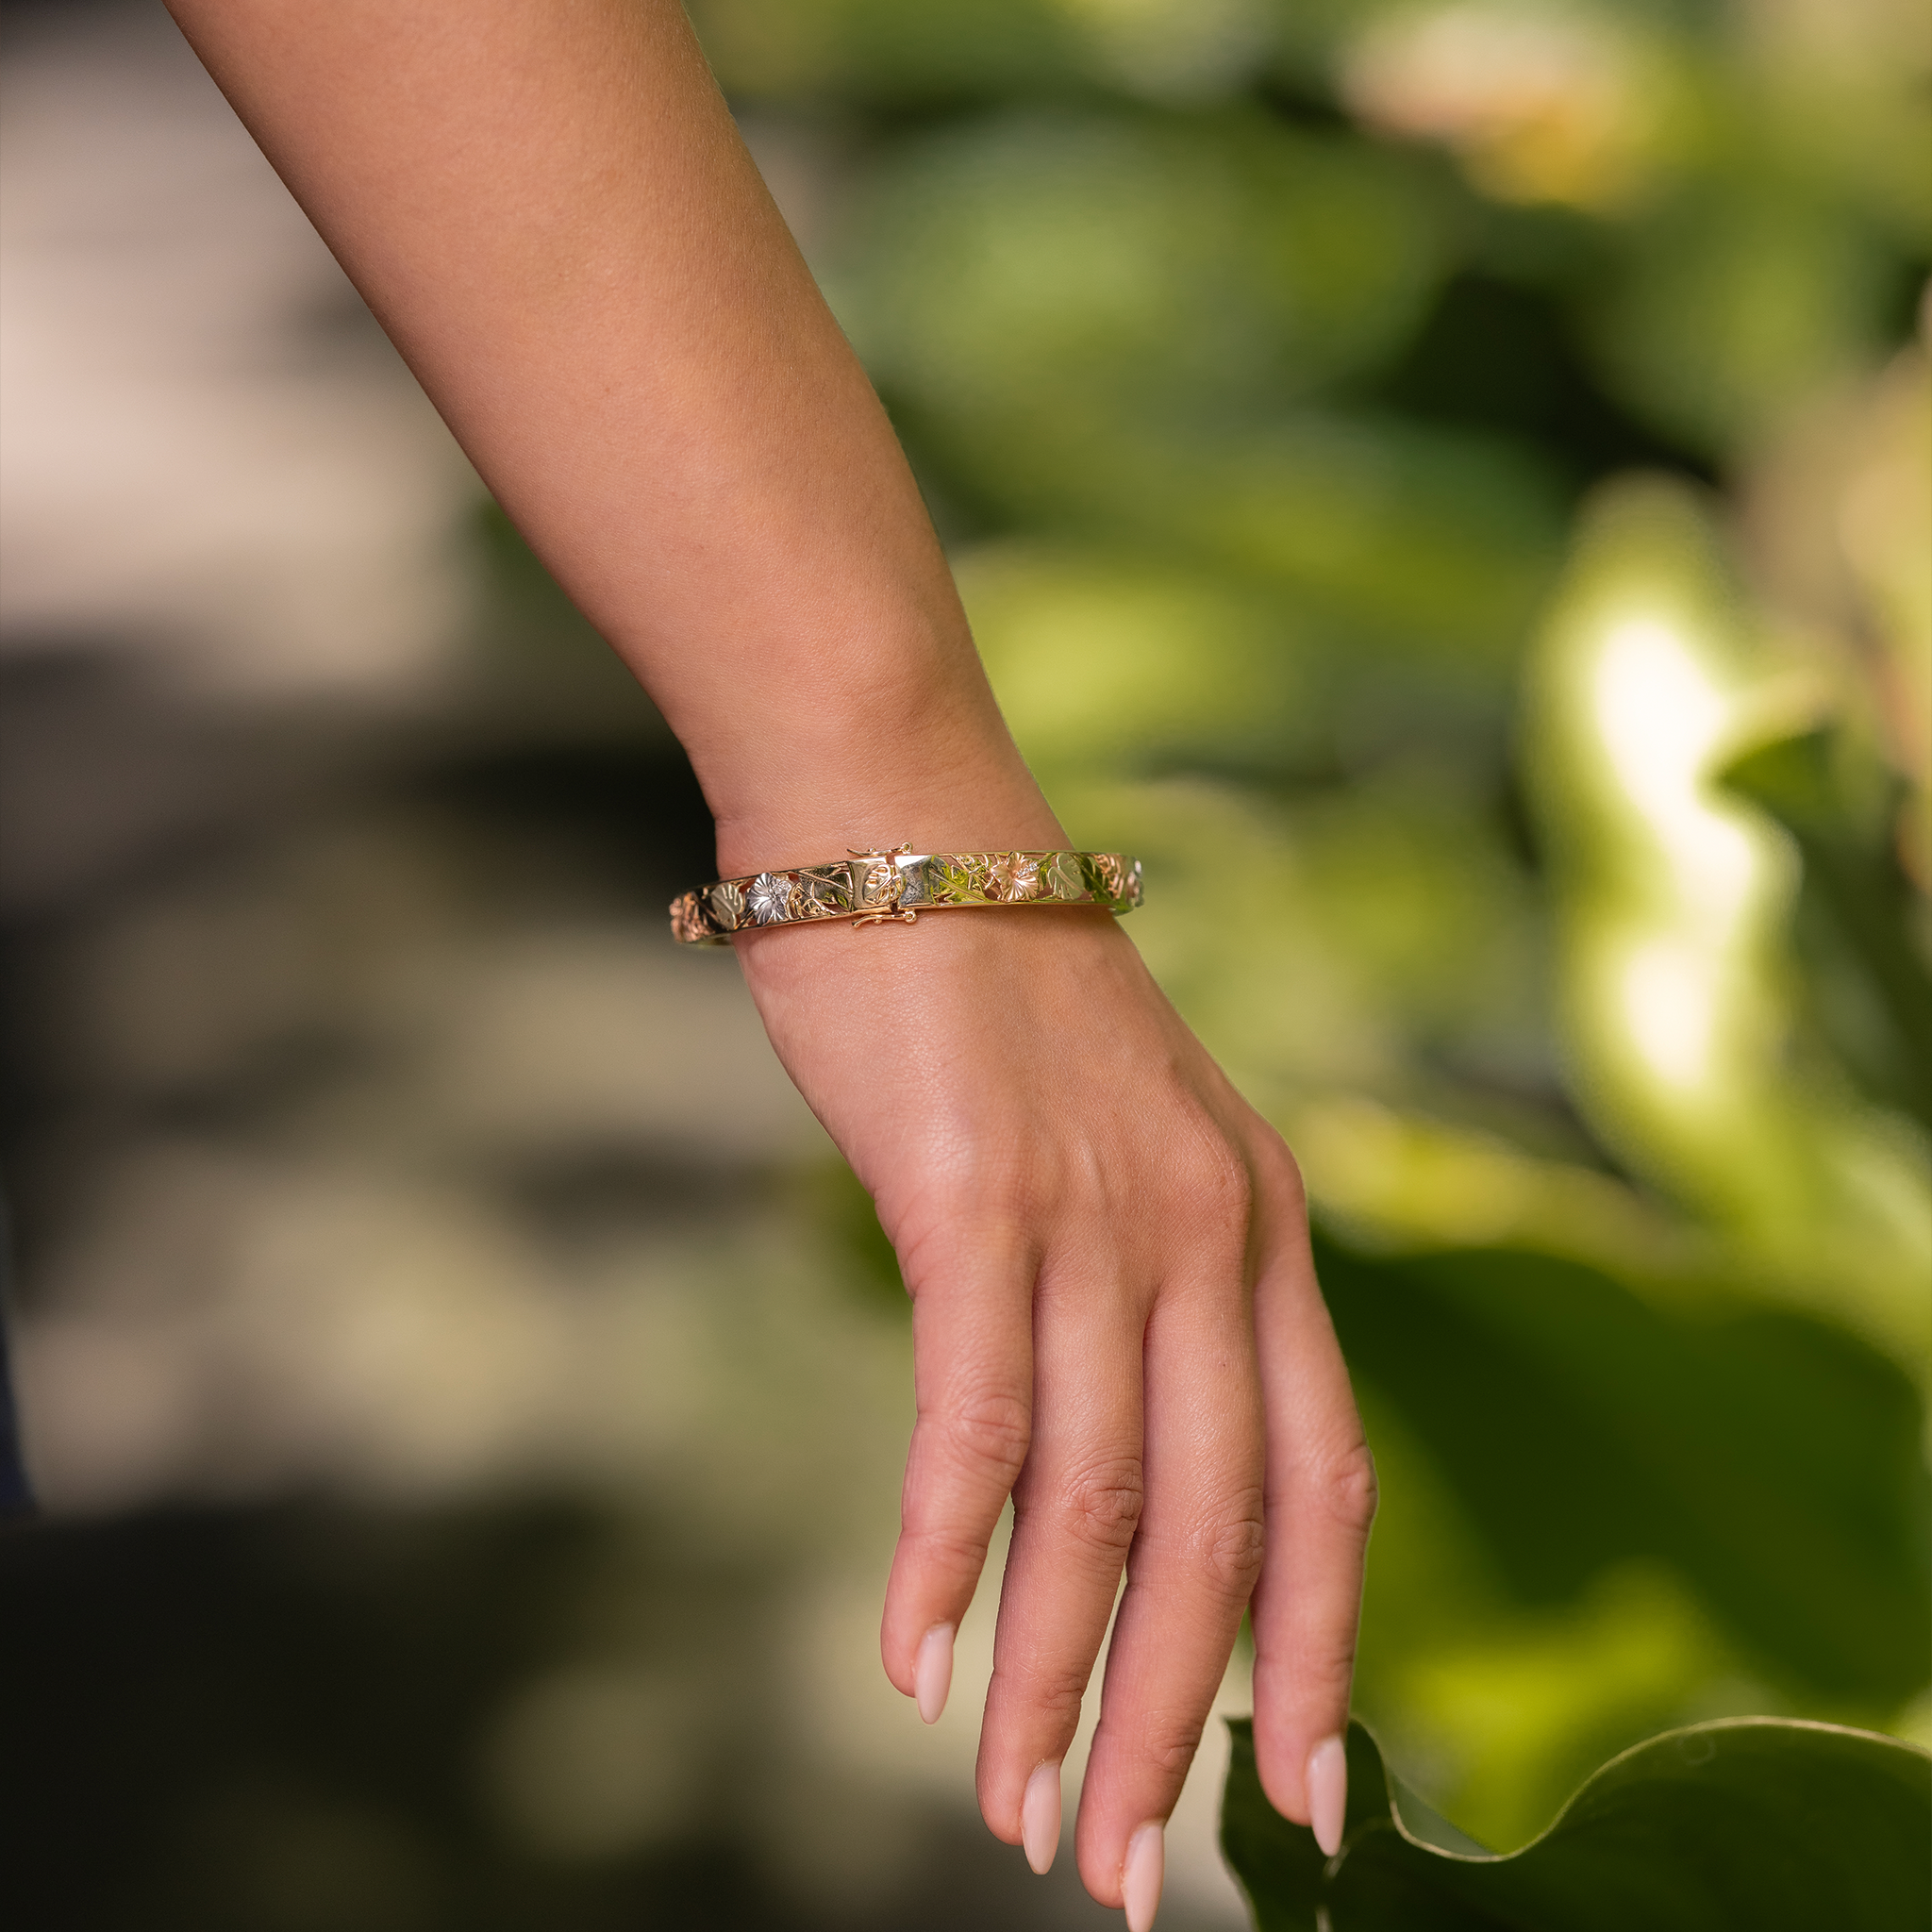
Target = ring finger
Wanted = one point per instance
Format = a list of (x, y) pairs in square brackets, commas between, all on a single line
[(1076, 1510)]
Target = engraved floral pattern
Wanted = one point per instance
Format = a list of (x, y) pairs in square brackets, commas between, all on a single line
[(770, 898), (1013, 876), (879, 885)]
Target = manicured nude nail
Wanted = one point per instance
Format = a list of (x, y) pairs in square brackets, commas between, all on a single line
[(932, 1677), (1040, 1818), (1328, 1793), (1142, 1874)]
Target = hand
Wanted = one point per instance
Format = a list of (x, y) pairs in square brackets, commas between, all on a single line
[(1115, 1319)]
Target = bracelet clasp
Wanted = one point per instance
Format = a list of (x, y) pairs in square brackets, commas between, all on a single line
[(879, 884)]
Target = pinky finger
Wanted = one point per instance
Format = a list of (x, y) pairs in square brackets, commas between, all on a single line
[(1320, 1503)]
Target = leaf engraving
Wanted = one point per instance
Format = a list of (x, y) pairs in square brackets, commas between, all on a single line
[(823, 891), (1063, 877)]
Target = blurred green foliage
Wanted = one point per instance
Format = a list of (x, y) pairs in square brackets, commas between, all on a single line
[(1446, 483), (1867, 978)]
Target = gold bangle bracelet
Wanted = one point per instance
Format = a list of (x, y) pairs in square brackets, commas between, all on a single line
[(870, 888)]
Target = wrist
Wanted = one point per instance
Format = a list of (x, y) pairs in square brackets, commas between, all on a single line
[(943, 776)]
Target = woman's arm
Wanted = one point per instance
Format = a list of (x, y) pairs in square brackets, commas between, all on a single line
[(1115, 1316), (549, 209)]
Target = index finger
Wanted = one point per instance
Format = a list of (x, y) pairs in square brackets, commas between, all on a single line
[(973, 1375)]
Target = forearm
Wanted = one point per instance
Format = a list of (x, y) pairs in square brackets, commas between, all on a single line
[(550, 210)]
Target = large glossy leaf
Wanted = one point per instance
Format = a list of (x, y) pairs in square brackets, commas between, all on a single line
[(1747, 1824), (1770, 1458)]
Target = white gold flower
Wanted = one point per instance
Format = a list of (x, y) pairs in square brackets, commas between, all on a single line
[(770, 898)]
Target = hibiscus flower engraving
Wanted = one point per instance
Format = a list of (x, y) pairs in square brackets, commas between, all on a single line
[(770, 898), (1013, 876)]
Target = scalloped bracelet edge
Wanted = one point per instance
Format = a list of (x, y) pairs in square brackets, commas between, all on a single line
[(873, 887)]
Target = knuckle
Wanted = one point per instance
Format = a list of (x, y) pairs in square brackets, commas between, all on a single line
[(1208, 1194), (1348, 1489), (1101, 1504), (1280, 1194), (1274, 1161), (1053, 1694), (1171, 1738), (987, 1430), (1284, 1174), (946, 1551), (1326, 1660), (1219, 1188), (1229, 1548)]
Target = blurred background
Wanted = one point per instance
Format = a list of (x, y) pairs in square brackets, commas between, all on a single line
[(1466, 467)]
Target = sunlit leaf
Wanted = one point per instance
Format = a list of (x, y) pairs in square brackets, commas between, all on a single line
[(1751, 1824)]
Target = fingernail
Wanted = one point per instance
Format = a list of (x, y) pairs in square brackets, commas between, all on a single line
[(1142, 1874), (1040, 1818), (932, 1677), (1328, 1793)]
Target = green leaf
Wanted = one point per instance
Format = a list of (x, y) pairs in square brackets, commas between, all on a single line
[(1745, 1824), (1770, 1459)]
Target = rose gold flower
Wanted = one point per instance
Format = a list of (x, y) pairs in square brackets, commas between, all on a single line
[(1013, 876)]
